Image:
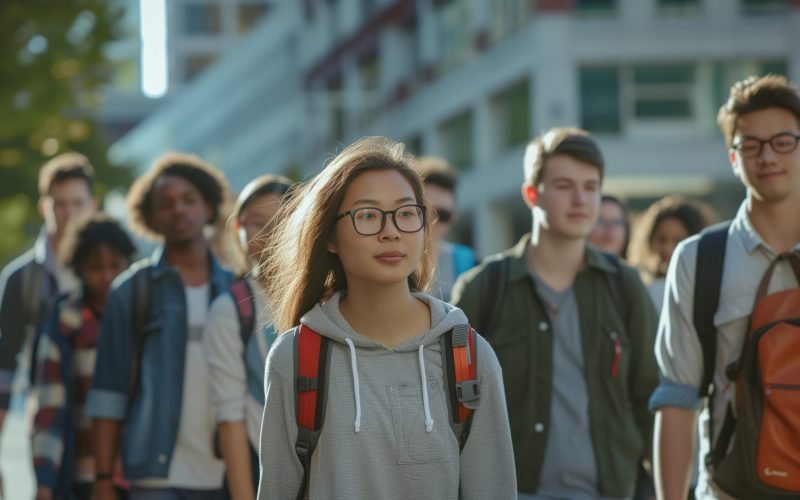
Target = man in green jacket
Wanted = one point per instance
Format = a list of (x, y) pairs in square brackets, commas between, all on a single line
[(574, 331)]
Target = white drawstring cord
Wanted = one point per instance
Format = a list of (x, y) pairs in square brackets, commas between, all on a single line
[(425, 404), (356, 387)]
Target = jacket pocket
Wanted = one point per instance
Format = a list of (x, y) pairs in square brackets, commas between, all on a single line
[(414, 444)]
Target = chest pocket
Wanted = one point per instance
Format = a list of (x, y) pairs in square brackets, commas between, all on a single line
[(414, 444)]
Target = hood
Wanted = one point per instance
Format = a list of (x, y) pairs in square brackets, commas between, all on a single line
[(327, 320)]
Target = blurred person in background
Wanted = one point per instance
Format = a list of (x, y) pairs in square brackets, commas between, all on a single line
[(658, 231), (441, 180), (30, 284), (613, 230), (151, 396), (238, 336), (97, 249)]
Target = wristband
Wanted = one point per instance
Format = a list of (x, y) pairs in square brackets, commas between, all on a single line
[(103, 476)]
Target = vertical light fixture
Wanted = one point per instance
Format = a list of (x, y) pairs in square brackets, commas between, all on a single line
[(153, 30)]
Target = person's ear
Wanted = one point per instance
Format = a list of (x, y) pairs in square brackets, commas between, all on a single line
[(332, 248), (530, 194)]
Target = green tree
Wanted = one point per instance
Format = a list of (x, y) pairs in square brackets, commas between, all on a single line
[(52, 73)]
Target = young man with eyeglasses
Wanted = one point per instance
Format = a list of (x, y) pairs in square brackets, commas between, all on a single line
[(440, 180), (573, 328), (761, 125)]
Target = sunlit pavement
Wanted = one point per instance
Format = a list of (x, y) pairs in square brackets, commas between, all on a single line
[(15, 461)]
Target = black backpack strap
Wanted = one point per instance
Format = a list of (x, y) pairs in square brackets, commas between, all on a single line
[(708, 280), (142, 303), (308, 432), (492, 294)]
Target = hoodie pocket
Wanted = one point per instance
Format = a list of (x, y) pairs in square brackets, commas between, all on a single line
[(414, 444)]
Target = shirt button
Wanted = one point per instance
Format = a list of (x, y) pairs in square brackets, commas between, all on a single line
[(539, 427), (543, 326), (162, 459)]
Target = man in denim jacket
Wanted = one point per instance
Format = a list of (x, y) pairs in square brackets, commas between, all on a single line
[(150, 384)]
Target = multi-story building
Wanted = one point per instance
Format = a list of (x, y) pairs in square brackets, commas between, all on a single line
[(474, 80)]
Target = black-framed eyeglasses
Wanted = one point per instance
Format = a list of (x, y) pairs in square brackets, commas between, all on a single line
[(369, 221), (783, 143)]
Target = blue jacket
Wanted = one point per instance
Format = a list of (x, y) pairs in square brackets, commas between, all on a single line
[(151, 424)]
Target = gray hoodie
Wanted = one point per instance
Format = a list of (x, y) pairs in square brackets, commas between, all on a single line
[(384, 436)]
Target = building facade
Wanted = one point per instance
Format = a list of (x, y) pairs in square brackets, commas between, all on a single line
[(473, 81)]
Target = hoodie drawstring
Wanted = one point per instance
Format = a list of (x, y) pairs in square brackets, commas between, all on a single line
[(356, 388), (425, 404)]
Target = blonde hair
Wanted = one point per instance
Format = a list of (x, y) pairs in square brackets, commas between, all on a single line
[(298, 270)]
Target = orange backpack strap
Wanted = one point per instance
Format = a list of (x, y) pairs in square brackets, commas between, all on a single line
[(460, 368), (311, 359)]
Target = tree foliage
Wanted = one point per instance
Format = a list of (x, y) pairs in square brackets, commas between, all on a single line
[(52, 72)]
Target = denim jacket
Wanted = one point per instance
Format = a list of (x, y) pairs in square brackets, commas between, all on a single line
[(151, 423)]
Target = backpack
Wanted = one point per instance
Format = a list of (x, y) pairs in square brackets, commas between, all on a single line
[(764, 460), (312, 361), (142, 326), (37, 291), (493, 290)]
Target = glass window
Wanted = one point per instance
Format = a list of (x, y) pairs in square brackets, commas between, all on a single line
[(511, 115), (455, 33), (250, 14), (337, 108), (508, 16), (600, 99), (663, 91), (455, 137), (679, 7), (196, 63), (202, 19), (592, 7), (756, 7)]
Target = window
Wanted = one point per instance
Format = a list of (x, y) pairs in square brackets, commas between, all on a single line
[(508, 16), (337, 108), (414, 145), (455, 137), (454, 29), (369, 69), (195, 64), (756, 7), (592, 7), (600, 99), (663, 91), (202, 19), (511, 116), (250, 14), (679, 7), (725, 74)]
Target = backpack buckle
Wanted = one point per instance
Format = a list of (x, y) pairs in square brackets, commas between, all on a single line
[(305, 384), (460, 335), (468, 393)]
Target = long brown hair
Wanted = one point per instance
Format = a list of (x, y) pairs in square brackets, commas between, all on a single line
[(298, 270)]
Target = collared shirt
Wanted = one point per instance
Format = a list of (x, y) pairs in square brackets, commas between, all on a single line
[(678, 350)]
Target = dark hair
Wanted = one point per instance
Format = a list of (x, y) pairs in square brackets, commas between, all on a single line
[(64, 167), (298, 269), (85, 235), (569, 141), (208, 180), (755, 94), (694, 215), (626, 217), (438, 172), (260, 186)]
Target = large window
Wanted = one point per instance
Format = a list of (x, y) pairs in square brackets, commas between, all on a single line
[(196, 63), (662, 91), (249, 14), (679, 7), (202, 19), (756, 7), (508, 16), (596, 7), (511, 115), (455, 138), (600, 99), (455, 32)]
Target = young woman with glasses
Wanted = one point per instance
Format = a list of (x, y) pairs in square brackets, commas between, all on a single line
[(351, 258)]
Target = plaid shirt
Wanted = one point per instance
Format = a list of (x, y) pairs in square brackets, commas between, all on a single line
[(65, 364)]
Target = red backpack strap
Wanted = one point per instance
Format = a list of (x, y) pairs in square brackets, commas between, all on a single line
[(460, 368), (245, 308), (311, 360)]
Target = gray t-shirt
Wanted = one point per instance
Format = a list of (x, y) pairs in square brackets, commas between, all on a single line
[(569, 469)]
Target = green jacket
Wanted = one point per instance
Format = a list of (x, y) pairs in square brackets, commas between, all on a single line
[(620, 422)]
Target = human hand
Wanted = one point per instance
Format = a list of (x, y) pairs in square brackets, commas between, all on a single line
[(44, 493)]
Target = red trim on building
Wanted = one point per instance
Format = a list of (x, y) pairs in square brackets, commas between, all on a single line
[(554, 5), (363, 41)]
